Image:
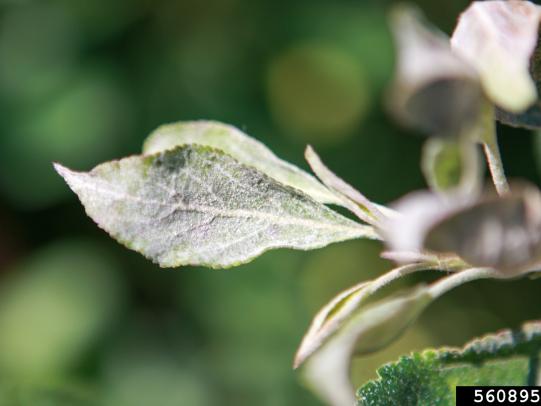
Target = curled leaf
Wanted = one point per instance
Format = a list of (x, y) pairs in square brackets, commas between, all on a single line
[(498, 232), (329, 319), (498, 39), (434, 89), (353, 199), (531, 118), (240, 146), (332, 333), (335, 313), (418, 212), (368, 329), (451, 166), (194, 205)]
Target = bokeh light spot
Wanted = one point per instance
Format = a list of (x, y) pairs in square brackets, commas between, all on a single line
[(318, 92)]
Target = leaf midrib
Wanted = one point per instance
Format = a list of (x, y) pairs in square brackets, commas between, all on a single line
[(358, 229)]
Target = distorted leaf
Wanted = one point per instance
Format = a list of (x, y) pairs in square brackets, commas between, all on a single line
[(329, 319), (451, 165), (368, 329), (364, 327), (498, 39), (430, 377), (433, 88), (240, 146), (195, 205), (353, 199), (530, 119), (335, 313), (417, 213), (498, 232)]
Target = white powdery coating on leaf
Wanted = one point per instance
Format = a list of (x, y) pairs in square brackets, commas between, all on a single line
[(424, 53), (197, 206), (418, 211), (245, 149), (327, 371), (498, 39)]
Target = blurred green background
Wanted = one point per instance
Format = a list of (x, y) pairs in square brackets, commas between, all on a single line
[(84, 321)]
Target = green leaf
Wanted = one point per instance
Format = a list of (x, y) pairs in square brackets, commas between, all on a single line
[(434, 89), (195, 205), (507, 358), (240, 146), (451, 165), (498, 38)]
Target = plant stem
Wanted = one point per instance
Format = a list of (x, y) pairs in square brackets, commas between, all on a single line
[(492, 151), (495, 164), (446, 284)]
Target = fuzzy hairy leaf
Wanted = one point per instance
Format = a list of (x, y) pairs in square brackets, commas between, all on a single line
[(498, 39), (430, 377), (343, 306), (418, 212), (240, 146), (352, 199), (531, 118), (498, 232), (195, 205), (434, 89), (348, 326)]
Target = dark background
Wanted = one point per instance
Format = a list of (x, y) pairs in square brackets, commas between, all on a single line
[(82, 82)]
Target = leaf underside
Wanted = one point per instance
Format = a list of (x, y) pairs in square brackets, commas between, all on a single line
[(501, 233), (498, 38), (366, 329), (530, 119), (194, 205), (430, 377)]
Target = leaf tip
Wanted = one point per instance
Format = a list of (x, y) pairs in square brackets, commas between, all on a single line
[(69, 176), (308, 151), (300, 357), (61, 170)]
